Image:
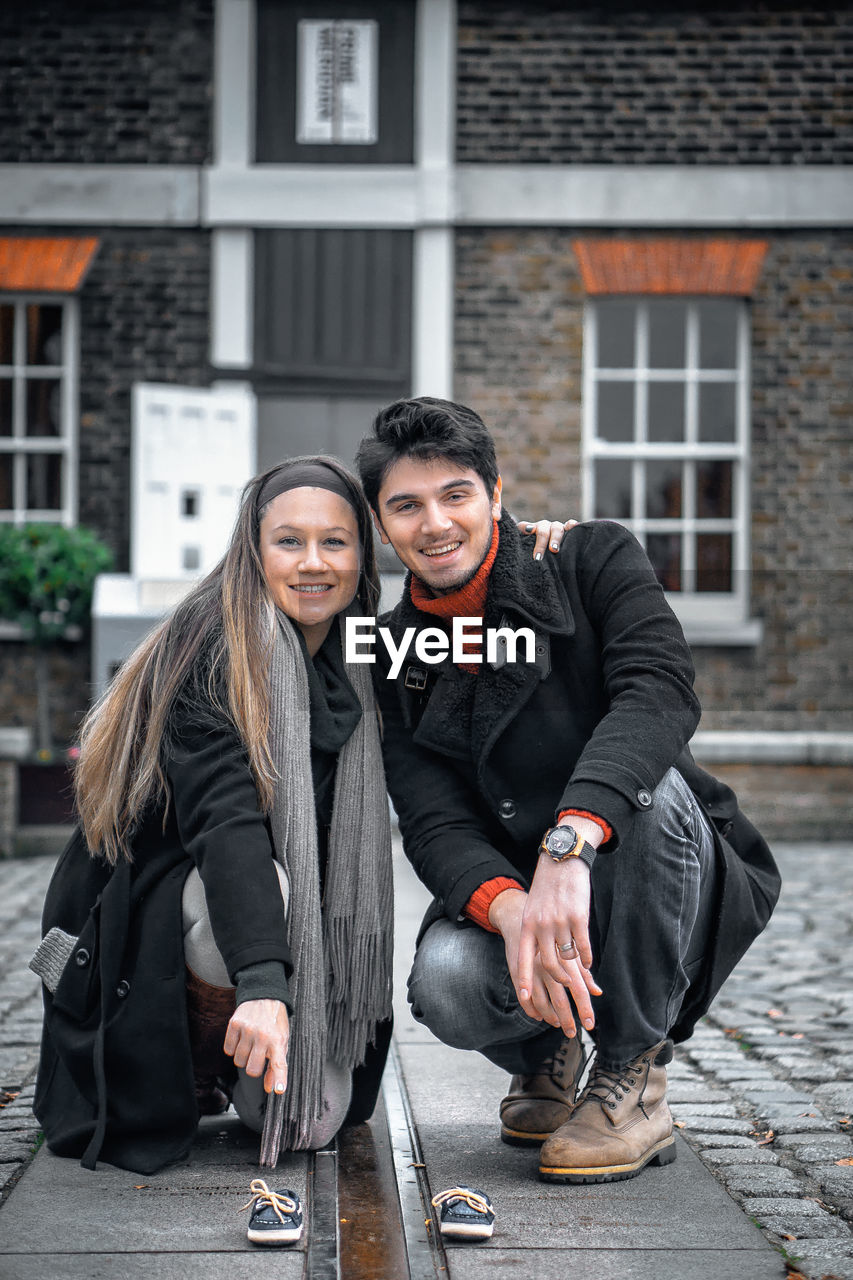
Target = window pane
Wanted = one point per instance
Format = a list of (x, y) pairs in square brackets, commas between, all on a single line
[(5, 481), (717, 334), (616, 411), (667, 325), (713, 562), (666, 412), (5, 407), (616, 334), (663, 489), (44, 482), (716, 412), (43, 407), (44, 335), (613, 488), (714, 490), (7, 326), (664, 551)]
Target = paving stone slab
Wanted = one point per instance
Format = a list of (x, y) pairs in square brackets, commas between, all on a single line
[(190, 1206), (755, 1180), (717, 1124), (276, 1264), (752, 1155), (611, 1264), (805, 1147), (708, 1142)]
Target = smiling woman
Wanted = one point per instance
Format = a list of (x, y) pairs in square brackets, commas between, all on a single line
[(229, 890)]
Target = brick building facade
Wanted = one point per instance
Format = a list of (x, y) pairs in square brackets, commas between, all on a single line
[(536, 129)]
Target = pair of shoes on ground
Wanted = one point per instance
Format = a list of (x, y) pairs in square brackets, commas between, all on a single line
[(277, 1216), (619, 1124)]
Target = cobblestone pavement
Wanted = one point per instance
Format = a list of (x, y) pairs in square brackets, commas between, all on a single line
[(763, 1091)]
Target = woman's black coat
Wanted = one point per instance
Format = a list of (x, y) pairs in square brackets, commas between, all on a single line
[(115, 1078), (479, 767)]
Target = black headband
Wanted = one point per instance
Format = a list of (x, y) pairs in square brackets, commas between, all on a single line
[(306, 475)]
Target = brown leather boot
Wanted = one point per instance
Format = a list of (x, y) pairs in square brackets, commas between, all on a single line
[(539, 1103), (621, 1123), (209, 1011)]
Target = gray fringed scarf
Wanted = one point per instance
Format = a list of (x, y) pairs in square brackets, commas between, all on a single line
[(342, 948)]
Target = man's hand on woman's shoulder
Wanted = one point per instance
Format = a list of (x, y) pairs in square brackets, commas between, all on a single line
[(549, 534)]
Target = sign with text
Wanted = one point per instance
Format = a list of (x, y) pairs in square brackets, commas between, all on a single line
[(337, 81)]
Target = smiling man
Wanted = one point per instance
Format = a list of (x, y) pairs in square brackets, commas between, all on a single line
[(582, 865)]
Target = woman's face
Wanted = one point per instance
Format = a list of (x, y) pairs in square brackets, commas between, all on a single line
[(311, 558)]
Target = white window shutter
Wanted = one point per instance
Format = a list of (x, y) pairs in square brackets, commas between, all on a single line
[(193, 451)]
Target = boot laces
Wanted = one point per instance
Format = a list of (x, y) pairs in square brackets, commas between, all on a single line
[(609, 1087), (555, 1064)]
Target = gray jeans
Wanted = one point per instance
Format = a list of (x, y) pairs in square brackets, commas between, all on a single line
[(202, 955), (652, 915)]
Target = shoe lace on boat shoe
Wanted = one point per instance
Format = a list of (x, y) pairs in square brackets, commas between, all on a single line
[(453, 1195), (262, 1196)]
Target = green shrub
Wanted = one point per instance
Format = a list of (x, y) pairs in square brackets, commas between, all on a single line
[(47, 575)]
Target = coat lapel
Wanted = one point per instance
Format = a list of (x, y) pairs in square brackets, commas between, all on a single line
[(465, 713)]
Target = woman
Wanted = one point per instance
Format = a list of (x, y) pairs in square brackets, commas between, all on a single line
[(186, 912)]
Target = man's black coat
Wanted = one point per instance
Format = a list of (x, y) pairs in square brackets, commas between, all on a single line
[(479, 766), (115, 1078)]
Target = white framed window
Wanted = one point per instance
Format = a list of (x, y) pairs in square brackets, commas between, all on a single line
[(39, 359), (666, 444)]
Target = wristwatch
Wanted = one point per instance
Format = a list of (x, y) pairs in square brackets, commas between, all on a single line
[(564, 842)]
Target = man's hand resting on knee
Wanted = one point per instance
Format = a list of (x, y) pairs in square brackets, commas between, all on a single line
[(532, 924)]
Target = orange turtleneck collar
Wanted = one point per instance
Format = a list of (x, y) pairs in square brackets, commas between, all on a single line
[(468, 601)]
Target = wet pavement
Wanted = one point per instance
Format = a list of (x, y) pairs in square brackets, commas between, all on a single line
[(763, 1097)]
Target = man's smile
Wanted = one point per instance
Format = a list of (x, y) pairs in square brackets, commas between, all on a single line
[(445, 549)]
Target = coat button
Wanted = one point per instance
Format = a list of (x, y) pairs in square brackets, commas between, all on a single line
[(507, 809), (644, 799), (123, 989), (81, 957)]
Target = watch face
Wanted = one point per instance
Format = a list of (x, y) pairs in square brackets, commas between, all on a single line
[(561, 840)]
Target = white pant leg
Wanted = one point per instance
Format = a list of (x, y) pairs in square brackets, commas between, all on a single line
[(200, 950)]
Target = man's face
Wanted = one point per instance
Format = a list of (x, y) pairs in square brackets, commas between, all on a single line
[(438, 516)]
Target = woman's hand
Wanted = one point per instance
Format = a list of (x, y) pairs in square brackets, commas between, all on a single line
[(549, 534), (258, 1034)]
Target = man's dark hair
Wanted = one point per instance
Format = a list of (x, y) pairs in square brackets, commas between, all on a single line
[(425, 428)]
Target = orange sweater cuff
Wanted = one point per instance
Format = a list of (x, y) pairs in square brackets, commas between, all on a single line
[(477, 906), (593, 817)]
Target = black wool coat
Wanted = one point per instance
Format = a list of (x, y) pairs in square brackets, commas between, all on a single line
[(115, 1078), (479, 766)]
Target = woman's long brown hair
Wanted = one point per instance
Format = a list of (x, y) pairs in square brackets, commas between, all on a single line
[(218, 638)]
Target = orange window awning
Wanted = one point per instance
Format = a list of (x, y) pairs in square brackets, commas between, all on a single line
[(45, 264), (714, 265)]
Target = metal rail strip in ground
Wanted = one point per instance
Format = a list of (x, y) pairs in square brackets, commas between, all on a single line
[(427, 1259), (369, 1199)]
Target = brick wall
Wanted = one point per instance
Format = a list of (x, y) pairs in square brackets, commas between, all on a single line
[(519, 319), (106, 81), (693, 83), (144, 315)]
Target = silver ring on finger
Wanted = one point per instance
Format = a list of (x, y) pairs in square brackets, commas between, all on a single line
[(568, 949)]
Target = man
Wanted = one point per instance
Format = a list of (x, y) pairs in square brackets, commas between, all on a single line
[(577, 854)]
